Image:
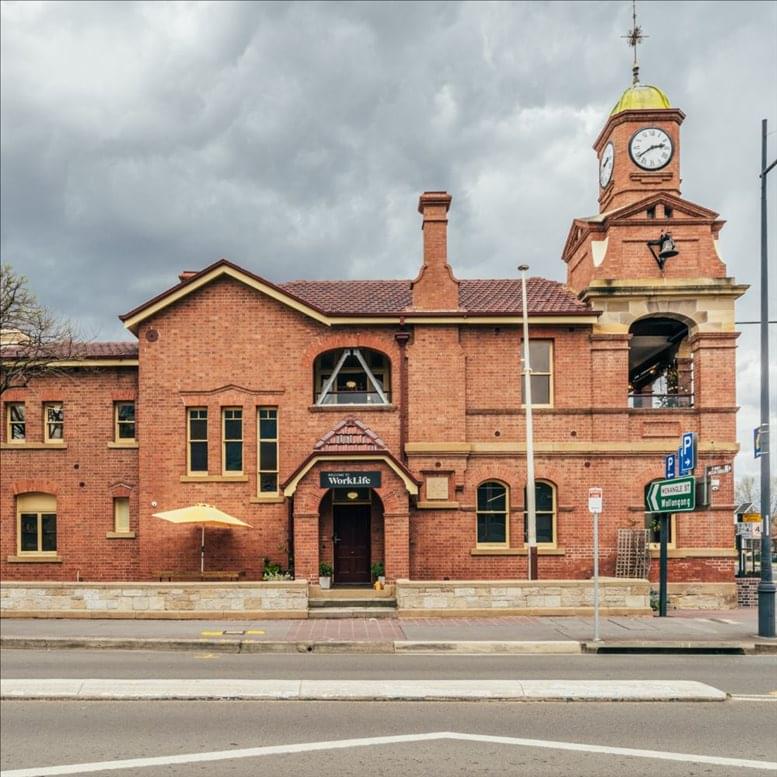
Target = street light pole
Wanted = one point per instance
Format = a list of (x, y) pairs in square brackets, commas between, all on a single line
[(766, 587), (531, 512)]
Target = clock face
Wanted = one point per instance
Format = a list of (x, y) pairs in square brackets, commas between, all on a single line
[(651, 148), (605, 165)]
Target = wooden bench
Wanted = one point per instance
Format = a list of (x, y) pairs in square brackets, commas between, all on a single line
[(224, 576)]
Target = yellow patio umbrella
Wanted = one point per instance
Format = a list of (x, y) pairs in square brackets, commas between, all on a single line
[(202, 515)]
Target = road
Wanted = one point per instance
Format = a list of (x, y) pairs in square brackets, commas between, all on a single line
[(55, 733), (734, 674)]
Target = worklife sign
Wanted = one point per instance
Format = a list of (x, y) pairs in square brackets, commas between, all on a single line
[(350, 480), (671, 496)]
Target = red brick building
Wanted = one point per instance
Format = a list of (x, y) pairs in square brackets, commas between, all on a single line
[(362, 421)]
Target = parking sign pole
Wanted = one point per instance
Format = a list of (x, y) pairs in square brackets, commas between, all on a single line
[(596, 577), (595, 501)]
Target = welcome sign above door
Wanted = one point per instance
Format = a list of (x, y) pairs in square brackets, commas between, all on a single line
[(350, 480)]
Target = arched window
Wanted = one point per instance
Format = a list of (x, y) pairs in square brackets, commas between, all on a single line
[(352, 376), (493, 514), (660, 364), (36, 524), (545, 512), (653, 525)]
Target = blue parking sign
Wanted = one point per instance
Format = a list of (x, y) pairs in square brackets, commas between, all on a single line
[(687, 453), (670, 466)]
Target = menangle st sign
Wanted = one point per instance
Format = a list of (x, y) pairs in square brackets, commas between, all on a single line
[(671, 496)]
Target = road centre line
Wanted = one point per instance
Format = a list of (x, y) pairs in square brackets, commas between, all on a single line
[(343, 744)]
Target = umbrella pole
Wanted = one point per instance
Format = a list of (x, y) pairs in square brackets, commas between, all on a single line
[(202, 551)]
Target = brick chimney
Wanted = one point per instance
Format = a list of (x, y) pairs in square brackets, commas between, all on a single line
[(435, 288)]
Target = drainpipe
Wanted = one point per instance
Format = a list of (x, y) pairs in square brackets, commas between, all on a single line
[(402, 337), (290, 535)]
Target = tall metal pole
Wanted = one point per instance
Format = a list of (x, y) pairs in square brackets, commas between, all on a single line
[(597, 638), (663, 566), (531, 512), (766, 587)]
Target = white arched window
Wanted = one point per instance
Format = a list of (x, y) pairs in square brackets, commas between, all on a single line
[(545, 512), (352, 376), (493, 525)]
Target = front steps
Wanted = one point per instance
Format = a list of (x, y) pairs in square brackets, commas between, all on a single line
[(351, 603)]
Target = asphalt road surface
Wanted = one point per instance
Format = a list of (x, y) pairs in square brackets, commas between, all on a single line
[(734, 674), (539, 740)]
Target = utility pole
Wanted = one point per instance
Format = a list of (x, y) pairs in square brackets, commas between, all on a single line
[(531, 511), (766, 587)]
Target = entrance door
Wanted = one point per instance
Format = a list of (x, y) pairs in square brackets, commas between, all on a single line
[(352, 543)]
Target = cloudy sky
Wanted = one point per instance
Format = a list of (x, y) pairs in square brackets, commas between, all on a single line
[(140, 139)]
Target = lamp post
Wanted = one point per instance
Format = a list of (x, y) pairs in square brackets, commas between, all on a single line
[(531, 512), (766, 587)]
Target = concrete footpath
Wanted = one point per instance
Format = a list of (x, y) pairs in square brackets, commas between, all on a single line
[(733, 631)]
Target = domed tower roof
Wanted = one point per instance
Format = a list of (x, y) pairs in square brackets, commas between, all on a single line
[(641, 97)]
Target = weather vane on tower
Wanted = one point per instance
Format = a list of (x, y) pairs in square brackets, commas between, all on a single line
[(634, 37)]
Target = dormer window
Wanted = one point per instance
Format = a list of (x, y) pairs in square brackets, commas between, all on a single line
[(352, 376)]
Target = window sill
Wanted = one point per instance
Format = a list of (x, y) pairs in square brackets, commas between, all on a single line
[(120, 535), (214, 478), (345, 407), (541, 551), (34, 559), (269, 499), (33, 446), (119, 445), (438, 505), (673, 552)]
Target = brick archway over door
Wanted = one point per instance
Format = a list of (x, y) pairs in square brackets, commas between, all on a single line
[(396, 517)]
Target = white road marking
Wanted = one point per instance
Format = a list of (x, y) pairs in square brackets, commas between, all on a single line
[(343, 744), (772, 697)]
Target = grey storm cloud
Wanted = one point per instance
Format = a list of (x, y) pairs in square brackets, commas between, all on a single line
[(140, 139)]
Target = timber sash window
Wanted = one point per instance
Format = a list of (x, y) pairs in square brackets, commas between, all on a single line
[(541, 363), (53, 422), (232, 429), (268, 450), (124, 421), (653, 526), (492, 514), (16, 430), (36, 524), (197, 431), (545, 512)]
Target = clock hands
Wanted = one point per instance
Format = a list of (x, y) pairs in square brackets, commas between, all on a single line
[(650, 148)]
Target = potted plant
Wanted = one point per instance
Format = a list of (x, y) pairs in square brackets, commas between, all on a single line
[(325, 575), (378, 572)]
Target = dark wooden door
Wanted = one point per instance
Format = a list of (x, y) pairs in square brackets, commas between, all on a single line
[(352, 543)]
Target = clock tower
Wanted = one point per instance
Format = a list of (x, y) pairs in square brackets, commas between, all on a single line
[(639, 148), (648, 262)]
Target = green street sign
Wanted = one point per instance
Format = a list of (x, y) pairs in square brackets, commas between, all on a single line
[(671, 496)]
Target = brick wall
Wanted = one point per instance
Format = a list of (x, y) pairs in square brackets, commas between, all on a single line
[(84, 474)]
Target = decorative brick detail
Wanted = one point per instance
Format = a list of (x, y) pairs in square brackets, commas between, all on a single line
[(33, 486)]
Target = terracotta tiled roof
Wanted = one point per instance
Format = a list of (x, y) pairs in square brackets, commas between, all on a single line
[(119, 350), (475, 296), (350, 436), (346, 297)]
